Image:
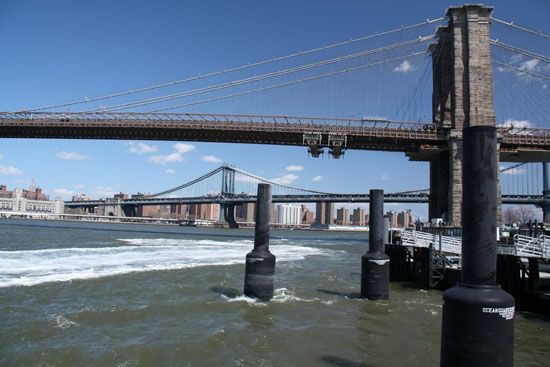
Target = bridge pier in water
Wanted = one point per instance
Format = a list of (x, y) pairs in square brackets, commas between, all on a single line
[(375, 267), (260, 263), (228, 212), (478, 316)]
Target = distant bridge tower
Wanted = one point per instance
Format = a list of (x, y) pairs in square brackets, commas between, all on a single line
[(462, 97), (227, 212), (228, 180)]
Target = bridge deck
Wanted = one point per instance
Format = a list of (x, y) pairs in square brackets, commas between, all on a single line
[(335, 198), (367, 134)]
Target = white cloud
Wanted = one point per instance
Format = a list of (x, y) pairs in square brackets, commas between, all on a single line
[(516, 58), (183, 148), (170, 171), (141, 148), (405, 67), (70, 155), (211, 159), (295, 168), (519, 124), (105, 191), (530, 65), (317, 178), (167, 158), (79, 186), (10, 171), (385, 176), (285, 180), (64, 193)]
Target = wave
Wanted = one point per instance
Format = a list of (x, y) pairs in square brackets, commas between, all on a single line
[(32, 267)]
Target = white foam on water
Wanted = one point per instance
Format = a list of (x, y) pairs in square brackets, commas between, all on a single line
[(63, 322), (31, 267), (280, 295), (243, 298)]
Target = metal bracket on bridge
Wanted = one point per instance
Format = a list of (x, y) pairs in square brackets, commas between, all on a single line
[(314, 142), (337, 144)]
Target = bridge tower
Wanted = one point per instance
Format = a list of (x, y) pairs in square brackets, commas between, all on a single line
[(462, 97), (546, 192), (228, 189)]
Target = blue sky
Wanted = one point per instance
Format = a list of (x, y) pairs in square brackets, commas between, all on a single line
[(57, 51)]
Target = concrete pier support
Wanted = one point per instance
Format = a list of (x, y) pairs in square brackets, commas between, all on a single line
[(478, 316), (375, 264), (129, 210), (228, 211), (260, 263)]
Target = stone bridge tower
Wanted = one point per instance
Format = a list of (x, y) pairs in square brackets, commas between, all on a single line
[(462, 97)]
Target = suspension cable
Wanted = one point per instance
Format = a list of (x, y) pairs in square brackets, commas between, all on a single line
[(259, 77), (520, 50), (511, 24), (237, 68), (280, 185), (521, 70), (275, 86)]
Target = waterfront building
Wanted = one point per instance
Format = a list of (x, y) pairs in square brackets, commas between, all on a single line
[(289, 214), (392, 216), (358, 217), (342, 217), (404, 219), (324, 213), (308, 217), (31, 201), (245, 212), (211, 212)]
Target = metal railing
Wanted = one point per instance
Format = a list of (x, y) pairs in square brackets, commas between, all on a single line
[(524, 246), (412, 237)]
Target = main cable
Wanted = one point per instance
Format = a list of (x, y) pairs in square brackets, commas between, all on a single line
[(520, 50), (275, 86), (511, 24), (520, 70), (233, 69), (238, 82)]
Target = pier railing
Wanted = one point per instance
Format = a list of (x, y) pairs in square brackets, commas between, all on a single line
[(524, 246)]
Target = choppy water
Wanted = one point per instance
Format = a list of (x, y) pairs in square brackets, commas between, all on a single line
[(74, 293)]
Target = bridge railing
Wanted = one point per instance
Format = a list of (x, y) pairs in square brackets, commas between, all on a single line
[(412, 237), (527, 246), (544, 241), (372, 122), (524, 246)]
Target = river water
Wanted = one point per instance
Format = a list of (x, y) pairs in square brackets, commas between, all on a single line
[(90, 294)]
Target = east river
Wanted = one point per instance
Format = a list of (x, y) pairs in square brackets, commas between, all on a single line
[(90, 294)]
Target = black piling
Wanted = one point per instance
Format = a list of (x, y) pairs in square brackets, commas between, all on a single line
[(375, 264), (260, 263), (478, 316)]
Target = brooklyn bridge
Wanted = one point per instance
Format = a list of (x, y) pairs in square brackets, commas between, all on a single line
[(473, 75)]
